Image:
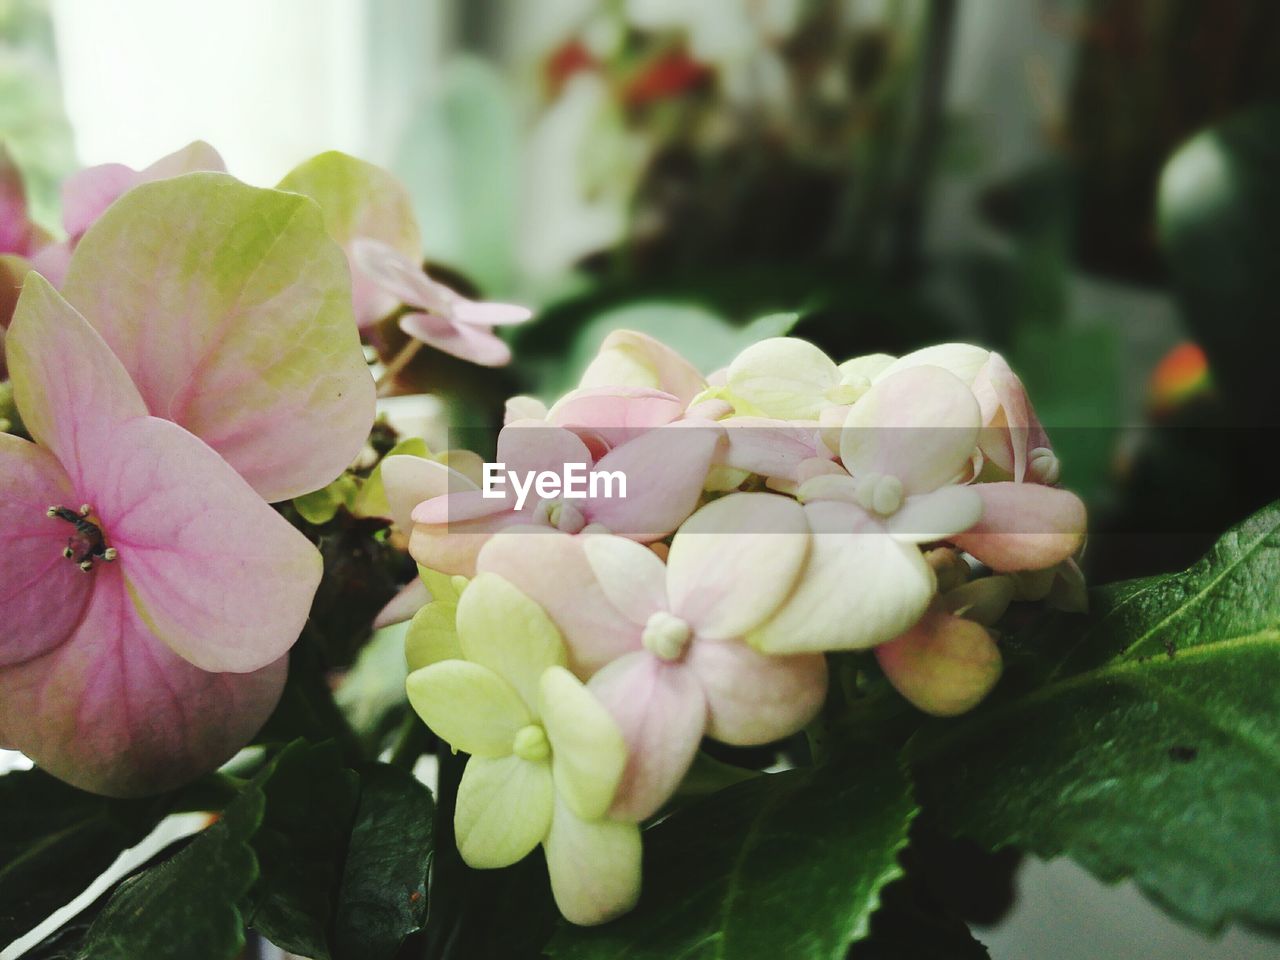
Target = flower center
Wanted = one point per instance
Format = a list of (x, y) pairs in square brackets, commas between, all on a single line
[(86, 543), (565, 517), (880, 493), (531, 743), (666, 636)]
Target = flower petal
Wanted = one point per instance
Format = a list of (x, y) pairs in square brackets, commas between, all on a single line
[(944, 665), (621, 411), (503, 810), (433, 635), (222, 578), (552, 568), (1024, 526), (359, 199), (662, 712), (754, 698), (594, 866), (587, 750), (734, 561), (410, 481), (860, 587), (471, 343), (919, 425), (783, 378), (771, 448), (469, 707), (411, 598), (87, 193), (664, 470), (631, 576), (506, 631), (42, 593), (532, 446), (452, 546), (231, 309), (630, 359), (114, 711), (927, 517), (961, 359), (68, 385)]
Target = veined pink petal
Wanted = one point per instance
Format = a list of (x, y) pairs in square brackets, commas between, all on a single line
[(660, 708), (531, 446), (552, 569), (919, 425), (87, 193), (217, 574), (69, 387), (113, 710), (734, 562), (400, 275), (624, 411), (471, 343), (51, 261), (1024, 526), (230, 307), (665, 469), (630, 359), (42, 593), (772, 448), (755, 698)]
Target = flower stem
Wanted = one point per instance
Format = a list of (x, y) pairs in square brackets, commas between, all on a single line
[(397, 363)]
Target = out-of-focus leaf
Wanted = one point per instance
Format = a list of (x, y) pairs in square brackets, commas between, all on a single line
[(321, 506), (383, 894), (787, 865), (1218, 205), (371, 695), (310, 804), (372, 498), (1143, 740), (56, 840), (188, 906), (911, 923)]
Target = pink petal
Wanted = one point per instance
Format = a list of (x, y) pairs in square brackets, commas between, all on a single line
[(772, 448), (631, 576), (1024, 526), (473, 344), (409, 481), (452, 509), (919, 425), (400, 275), (42, 593), (218, 575), (486, 313), (665, 470), (755, 698), (15, 228), (552, 569), (114, 711), (659, 707), (87, 193), (620, 411), (452, 547), (1011, 428), (255, 352), (628, 358), (411, 598), (531, 446), (68, 385), (734, 562), (52, 260), (192, 158), (944, 664)]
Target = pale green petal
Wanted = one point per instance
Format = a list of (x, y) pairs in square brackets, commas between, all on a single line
[(468, 706), (594, 866), (961, 359), (869, 366), (930, 517), (372, 500), (781, 377), (587, 749), (433, 635), (504, 810), (443, 586), (501, 628)]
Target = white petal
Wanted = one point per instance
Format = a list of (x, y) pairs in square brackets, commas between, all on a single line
[(588, 753), (468, 706), (594, 866), (782, 377), (504, 810), (927, 517), (631, 575)]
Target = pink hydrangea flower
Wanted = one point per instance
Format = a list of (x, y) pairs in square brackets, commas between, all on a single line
[(663, 644), (150, 595), (440, 318)]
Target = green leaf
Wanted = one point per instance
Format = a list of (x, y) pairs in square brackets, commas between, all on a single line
[(372, 500), (188, 906), (1218, 205), (310, 805), (912, 923), (56, 841), (787, 865), (321, 506), (383, 896), (268, 368), (1143, 740)]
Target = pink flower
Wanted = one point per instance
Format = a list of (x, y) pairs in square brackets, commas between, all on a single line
[(440, 318), (150, 595), (18, 234), (666, 640)]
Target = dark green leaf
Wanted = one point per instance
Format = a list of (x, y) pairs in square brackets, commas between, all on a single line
[(383, 896), (1219, 203), (1143, 740), (310, 804), (188, 906), (912, 923), (56, 841), (788, 865)]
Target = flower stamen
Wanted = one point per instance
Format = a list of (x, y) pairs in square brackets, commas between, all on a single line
[(87, 544)]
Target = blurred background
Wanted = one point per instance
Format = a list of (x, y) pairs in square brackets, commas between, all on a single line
[(1087, 186)]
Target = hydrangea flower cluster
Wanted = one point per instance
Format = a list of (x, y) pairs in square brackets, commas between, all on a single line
[(779, 510)]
